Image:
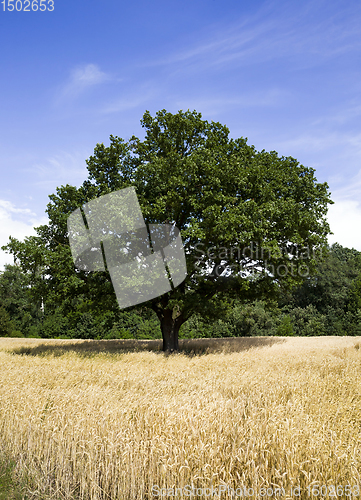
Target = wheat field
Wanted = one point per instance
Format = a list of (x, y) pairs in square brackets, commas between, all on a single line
[(280, 418)]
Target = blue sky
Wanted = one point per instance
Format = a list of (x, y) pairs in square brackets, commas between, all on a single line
[(284, 74)]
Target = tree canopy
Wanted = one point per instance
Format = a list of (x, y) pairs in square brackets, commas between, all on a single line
[(252, 223)]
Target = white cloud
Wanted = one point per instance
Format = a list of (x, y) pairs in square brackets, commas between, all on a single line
[(18, 223), (344, 218), (88, 75), (143, 95), (7, 206), (322, 140), (81, 78), (274, 32), (336, 153), (214, 106), (61, 168)]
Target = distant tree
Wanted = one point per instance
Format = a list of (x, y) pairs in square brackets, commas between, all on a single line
[(6, 325), (15, 298), (330, 285), (220, 192), (331, 296), (354, 295)]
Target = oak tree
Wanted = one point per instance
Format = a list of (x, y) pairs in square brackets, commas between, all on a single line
[(248, 220)]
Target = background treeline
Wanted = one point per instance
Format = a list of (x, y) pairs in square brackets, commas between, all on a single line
[(328, 303)]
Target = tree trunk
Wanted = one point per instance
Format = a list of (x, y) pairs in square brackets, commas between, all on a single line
[(170, 328)]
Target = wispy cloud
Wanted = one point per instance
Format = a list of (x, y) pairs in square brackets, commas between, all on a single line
[(324, 148), (61, 168), (81, 78), (214, 106), (222, 48), (273, 33), (18, 223), (350, 190), (320, 140), (140, 95)]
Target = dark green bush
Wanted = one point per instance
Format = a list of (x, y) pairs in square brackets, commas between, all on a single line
[(86, 328), (6, 325), (244, 320), (285, 327), (308, 321)]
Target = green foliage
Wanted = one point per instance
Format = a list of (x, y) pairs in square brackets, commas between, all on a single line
[(196, 328), (307, 321), (16, 299), (16, 334), (354, 295), (138, 324), (86, 328), (352, 323), (55, 325), (10, 487), (330, 285), (251, 319), (243, 320), (118, 333), (328, 302), (285, 327), (221, 193), (6, 326)]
